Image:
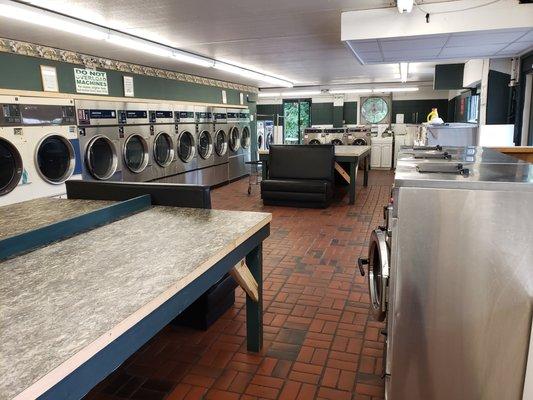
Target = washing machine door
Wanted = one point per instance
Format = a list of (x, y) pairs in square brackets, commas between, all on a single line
[(55, 159), (234, 139), (314, 141), (205, 144), (10, 167), (101, 157), (378, 273), (221, 143), (186, 146), (359, 142), (269, 140), (259, 141), (136, 153), (337, 142), (163, 149), (246, 138)]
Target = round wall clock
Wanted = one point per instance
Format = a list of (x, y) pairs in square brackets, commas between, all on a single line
[(374, 109)]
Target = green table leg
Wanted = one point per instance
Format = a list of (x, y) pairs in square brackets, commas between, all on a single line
[(254, 311), (353, 177)]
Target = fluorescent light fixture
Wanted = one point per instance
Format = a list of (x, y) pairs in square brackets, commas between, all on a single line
[(397, 89), (139, 45), (192, 59), (251, 74), (301, 93), (50, 20), (404, 70), (269, 94), (346, 91), (404, 6)]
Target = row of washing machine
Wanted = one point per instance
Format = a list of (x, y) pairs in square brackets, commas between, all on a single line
[(356, 136), (38, 147), (44, 142), (135, 142)]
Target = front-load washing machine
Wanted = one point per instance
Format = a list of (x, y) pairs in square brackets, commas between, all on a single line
[(204, 133), (335, 136), (358, 136), (220, 162), (162, 141), (246, 139), (136, 137), (314, 136), (100, 137), (235, 154), (186, 142)]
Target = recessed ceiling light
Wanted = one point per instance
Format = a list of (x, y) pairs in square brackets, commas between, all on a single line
[(269, 94), (404, 70), (301, 93)]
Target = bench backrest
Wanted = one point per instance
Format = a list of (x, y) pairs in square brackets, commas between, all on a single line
[(301, 162)]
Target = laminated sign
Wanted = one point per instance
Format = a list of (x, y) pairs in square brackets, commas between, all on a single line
[(90, 81)]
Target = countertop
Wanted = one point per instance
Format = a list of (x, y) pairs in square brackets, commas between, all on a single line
[(342, 151), (34, 214), (61, 304)]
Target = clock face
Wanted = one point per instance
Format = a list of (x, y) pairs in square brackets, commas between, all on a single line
[(374, 109)]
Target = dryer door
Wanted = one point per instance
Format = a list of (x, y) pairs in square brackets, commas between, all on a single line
[(246, 138), (186, 146), (10, 167), (163, 149), (378, 273), (221, 143), (205, 145), (136, 153), (101, 157), (55, 159), (234, 139), (359, 142)]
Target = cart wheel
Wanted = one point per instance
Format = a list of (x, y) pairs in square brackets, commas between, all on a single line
[(249, 190)]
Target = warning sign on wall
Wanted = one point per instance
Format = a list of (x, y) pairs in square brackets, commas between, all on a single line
[(90, 81)]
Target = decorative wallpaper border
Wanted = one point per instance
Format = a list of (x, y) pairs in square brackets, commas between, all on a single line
[(51, 53)]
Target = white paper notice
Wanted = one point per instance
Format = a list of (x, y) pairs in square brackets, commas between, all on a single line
[(399, 118), (224, 97), (49, 78), (128, 86), (241, 98)]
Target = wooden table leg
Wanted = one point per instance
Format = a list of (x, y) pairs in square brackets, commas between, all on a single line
[(353, 177), (254, 310), (365, 172)]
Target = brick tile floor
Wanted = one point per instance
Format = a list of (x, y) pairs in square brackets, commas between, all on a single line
[(319, 340)]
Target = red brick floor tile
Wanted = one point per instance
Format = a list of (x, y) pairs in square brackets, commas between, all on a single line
[(320, 341)]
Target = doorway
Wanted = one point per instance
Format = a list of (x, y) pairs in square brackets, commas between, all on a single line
[(296, 117)]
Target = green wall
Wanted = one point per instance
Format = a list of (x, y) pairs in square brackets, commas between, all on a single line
[(322, 113), (350, 112), (409, 108), (23, 73)]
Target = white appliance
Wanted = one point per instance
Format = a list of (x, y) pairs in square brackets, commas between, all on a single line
[(453, 134), (314, 136), (43, 133), (358, 136), (381, 152)]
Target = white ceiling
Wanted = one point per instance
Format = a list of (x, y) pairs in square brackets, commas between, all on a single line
[(296, 39), (500, 43)]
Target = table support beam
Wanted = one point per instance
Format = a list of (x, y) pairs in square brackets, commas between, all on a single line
[(254, 309)]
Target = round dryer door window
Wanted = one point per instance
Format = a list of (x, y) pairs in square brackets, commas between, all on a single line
[(259, 141), (163, 149), (314, 141), (270, 140), (205, 144), (186, 148), (10, 167), (221, 143), (101, 158), (359, 142), (245, 139), (55, 159), (234, 139), (337, 142), (136, 153)]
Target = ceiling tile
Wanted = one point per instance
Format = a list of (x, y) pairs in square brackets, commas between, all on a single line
[(471, 51), (517, 47), (364, 46), (412, 54), (484, 38), (407, 44), (528, 37)]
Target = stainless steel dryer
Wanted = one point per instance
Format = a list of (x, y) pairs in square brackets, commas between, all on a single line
[(235, 155), (358, 136), (162, 141), (246, 136), (314, 136), (335, 136), (204, 132), (99, 136), (136, 151), (220, 166), (186, 142)]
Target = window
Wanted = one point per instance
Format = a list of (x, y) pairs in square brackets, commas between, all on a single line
[(297, 117)]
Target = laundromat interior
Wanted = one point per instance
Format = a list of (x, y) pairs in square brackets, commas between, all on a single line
[(282, 200)]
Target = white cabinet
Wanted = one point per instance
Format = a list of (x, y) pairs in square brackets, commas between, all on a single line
[(375, 156), (381, 153)]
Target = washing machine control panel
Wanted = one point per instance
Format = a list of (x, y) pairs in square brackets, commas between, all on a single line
[(220, 117), (132, 117), (185, 116), (97, 117), (10, 115), (161, 117)]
